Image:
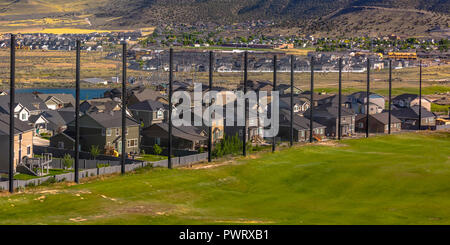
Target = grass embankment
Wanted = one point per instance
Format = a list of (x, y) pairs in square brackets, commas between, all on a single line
[(51, 173), (398, 179), (151, 158)]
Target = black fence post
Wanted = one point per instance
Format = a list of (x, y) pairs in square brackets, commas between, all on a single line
[(274, 88), (340, 100), (311, 101), (169, 159), (244, 133), (420, 95), (292, 102), (124, 105), (77, 112), (390, 96), (211, 61), (368, 97), (11, 112)]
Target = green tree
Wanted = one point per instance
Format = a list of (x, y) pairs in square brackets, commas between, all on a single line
[(67, 161), (95, 151)]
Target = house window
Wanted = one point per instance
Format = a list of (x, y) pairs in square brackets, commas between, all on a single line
[(28, 150), (295, 108), (321, 131), (61, 144), (132, 143), (117, 132), (24, 117), (158, 141), (159, 114), (103, 132), (108, 132)]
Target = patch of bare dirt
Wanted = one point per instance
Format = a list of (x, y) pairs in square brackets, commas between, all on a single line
[(243, 221), (332, 143)]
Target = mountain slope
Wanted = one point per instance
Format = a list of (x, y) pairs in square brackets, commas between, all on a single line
[(329, 17)]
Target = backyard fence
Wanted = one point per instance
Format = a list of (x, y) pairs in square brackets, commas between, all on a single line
[(90, 169)]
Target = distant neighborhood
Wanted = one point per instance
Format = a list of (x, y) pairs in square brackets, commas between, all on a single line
[(46, 121)]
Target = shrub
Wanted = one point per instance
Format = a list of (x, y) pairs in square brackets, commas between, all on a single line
[(67, 161), (157, 149), (102, 165), (95, 151), (50, 180), (229, 145)]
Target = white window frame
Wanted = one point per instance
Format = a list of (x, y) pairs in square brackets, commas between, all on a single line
[(160, 114)]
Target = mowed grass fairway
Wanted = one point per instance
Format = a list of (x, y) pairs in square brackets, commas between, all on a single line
[(398, 179)]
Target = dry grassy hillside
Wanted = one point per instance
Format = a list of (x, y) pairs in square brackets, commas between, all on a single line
[(324, 17)]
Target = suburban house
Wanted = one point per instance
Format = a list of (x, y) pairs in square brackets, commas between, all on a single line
[(113, 93), (52, 122), (319, 98), (149, 112), (257, 86), (95, 81), (100, 129), (285, 89), (101, 105), (378, 123), (39, 123), (217, 127), (358, 102), (183, 137), (301, 127), (410, 100), (301, 104), (145, 94), (254, 127), (23, 142), (57, 101), (21, 112), (33, 104), (327, 115), (410, 117)]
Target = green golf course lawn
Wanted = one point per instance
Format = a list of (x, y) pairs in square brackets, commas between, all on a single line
[(397, 179)]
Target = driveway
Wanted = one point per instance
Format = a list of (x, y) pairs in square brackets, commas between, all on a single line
[(40, 141)]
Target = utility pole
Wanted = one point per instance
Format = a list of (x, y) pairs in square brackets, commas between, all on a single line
[(292, 102), (274, 89), (211, 61), (340, 100), (368, 97), (77, 112), (420, 95), (169, 162), (11, 112), (390, 95), (244, 134), (311, 101), (124, 104)]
